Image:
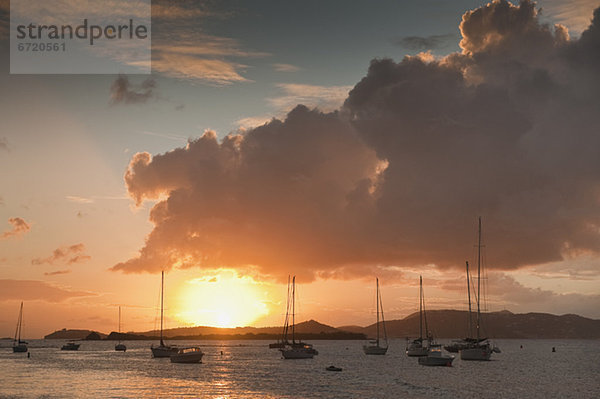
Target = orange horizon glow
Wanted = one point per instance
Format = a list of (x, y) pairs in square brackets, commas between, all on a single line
[(222, 300)]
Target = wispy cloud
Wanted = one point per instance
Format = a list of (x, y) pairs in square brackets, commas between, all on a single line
[(19, 227), (37, 290), (253, 121), (184, 65), (65, 255), (79, 200), (181, 50), (326, 98), (57, 272), (286, 68), (575, 14)]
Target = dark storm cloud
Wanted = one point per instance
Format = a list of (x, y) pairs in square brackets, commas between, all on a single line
[(420, 43), (506, 129), (124, 92)]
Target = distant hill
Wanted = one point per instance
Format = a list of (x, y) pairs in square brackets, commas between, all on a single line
[(73, 334), (504, 324), (442, 323), (306, 327)]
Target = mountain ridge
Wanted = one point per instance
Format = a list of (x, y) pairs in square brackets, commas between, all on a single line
[(443, 324)]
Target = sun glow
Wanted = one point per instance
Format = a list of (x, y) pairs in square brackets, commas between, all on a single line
[(222, 300)]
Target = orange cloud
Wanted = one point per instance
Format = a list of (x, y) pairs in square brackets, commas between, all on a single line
[(67, 255), (20, 227), (57, 272), (36, 290)]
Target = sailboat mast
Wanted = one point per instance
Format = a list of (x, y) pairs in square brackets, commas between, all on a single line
[(421, 308), (377, 300), (478, 275), (162, 293), (18, 330), (469, 297), (294, 309), (382, 316)]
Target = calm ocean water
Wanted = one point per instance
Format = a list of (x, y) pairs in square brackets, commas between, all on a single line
[(248, 369)]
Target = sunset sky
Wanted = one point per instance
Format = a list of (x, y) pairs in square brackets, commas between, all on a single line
[(417, 117)]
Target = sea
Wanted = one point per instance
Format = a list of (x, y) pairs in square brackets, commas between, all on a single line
[(249, 369)]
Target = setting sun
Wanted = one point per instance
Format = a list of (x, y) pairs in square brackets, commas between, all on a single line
[(222, 300)]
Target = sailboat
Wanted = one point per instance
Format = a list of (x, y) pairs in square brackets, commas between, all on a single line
[(417, 347), (478, 348), (294, 349), (162, 350), (18, 345), (374, 347), (460, 344), (120, 347), (282, 342)]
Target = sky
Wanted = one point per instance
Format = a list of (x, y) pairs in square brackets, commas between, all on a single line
[(336, 141)]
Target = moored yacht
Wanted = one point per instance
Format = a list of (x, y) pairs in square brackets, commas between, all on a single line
[(435, 357), (294, 349), (374, 346), (187, 355), (18, 345), (419, 346), (162, 350), (479, 348)]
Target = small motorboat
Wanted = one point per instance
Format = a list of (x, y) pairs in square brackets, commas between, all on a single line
[(435, 357), (70, 346), (187, 355), (333, 368)]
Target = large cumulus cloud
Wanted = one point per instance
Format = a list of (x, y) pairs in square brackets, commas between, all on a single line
[(506, 129)]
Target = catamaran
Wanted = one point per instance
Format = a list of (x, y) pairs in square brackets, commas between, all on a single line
[(479, 348), (120, 347), (294, 349), (162, 350), (418, 347), (18, 345), (374, 346)]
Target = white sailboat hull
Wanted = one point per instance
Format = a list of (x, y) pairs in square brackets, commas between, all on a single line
[(163, 351), (415, 349), (374, 350), (479, 352), (187, 355), (436, 360), (296, 353)]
